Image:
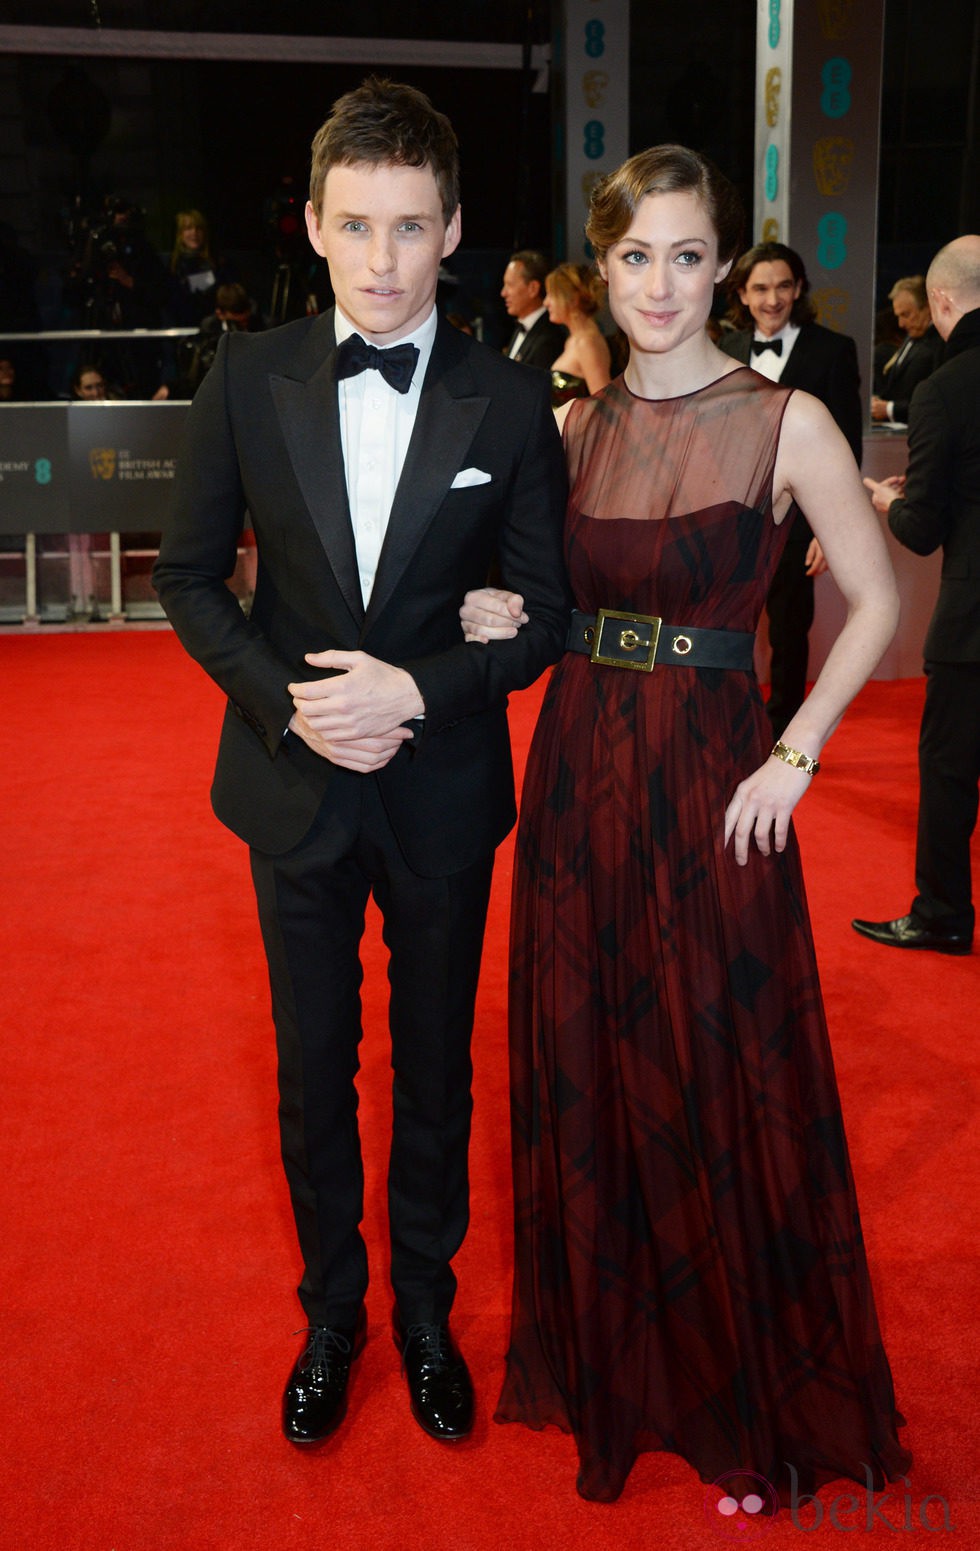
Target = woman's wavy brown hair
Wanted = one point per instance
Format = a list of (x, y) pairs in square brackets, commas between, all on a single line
[(664, 169)]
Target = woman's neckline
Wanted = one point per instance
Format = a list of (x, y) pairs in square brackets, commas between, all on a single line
[(672, 398)]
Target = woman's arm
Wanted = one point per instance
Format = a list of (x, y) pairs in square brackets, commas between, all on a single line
[(815, 468)]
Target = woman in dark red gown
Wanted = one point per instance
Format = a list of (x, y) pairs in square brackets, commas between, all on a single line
[(690, 1272)]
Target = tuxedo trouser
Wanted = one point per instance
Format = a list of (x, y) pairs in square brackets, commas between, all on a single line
[(790, 609), (311, 910), (949, 773)]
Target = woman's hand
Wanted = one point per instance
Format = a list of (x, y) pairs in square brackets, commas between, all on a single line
[(492, 614), (762, 806)]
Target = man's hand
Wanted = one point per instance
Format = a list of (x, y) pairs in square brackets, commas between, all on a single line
[(885, 491), (492, 614), (364, 755), (365, 702), (814, 561), (879, 408)]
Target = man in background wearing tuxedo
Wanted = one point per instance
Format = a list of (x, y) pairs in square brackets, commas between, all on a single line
[(386, 460), (919, 353), (536, 341), (775, 333), (937, 505)]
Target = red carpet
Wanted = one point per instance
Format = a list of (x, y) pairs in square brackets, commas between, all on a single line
[(147, 1243)]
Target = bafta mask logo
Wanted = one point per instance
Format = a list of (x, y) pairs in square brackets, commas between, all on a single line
[(832, 158), (835, 17), (594, 83), (770, 230), (832, 305), (774, 85), (589, 181), (102, 462)]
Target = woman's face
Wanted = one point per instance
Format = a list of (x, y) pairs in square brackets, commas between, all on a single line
[(556, 307), (663, 271), (192, 237)]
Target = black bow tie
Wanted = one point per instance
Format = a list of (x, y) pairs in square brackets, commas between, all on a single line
[(397, 365), (775, 345)]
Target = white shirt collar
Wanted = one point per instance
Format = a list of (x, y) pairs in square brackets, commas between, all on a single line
[(767, 362), (530, 319), (423, 337), (788, 334)]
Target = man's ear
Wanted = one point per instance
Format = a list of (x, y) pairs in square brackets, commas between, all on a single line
[(454, 232), (313, 230)]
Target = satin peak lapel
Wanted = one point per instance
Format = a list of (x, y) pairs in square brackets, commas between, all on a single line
[(443, 433), (310, 423)]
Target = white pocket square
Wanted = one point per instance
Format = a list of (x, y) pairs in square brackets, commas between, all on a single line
[(467, 477)]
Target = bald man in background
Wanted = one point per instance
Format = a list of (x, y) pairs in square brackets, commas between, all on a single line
[(937, 504)]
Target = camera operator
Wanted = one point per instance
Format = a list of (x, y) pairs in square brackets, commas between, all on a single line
[(118, 281), (234, 312)]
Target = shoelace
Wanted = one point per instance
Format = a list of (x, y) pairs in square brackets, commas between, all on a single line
[(323, 1345), (434, 1339)]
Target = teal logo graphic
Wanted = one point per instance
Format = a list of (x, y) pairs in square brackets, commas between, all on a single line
[(835, 99), (772, 172), (832, 232), (774, 25), (595, 143), (42, 471), (595, 39)]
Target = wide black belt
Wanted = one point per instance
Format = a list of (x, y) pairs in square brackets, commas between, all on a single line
[(644, 642)]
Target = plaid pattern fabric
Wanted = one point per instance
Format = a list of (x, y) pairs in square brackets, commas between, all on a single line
[(690, 1272)]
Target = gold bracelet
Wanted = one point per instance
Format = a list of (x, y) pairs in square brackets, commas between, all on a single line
[(794, 757)]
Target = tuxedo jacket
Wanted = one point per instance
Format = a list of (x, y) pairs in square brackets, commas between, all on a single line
[(823, 363), (483, 480), (542, 344), (899, 383), (940, 506)]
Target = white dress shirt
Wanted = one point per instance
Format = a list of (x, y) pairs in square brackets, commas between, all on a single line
[(526, 323), (376, 424), (768, 362)]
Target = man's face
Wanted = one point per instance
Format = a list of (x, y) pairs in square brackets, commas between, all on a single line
[(769, 294), (383, 235), (91, 385), (520, 294), (910, 316)]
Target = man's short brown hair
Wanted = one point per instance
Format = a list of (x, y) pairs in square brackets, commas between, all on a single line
[(385, 123)]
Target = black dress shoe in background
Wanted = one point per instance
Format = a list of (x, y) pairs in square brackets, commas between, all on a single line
[(438, 1380), (314, 1402), (910, 932)]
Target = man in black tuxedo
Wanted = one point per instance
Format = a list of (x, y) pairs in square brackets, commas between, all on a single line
[(536, 341), (938, 504), (919, 353), (775, 332), (385, 460)]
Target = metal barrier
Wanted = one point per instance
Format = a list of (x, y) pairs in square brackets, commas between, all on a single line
[(81, 470)]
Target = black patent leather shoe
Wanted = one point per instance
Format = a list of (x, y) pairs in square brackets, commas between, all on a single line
[(910, 932), (314, 1402), (439, 1382)]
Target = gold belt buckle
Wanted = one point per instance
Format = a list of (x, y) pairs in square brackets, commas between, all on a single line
[(632, 645)]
